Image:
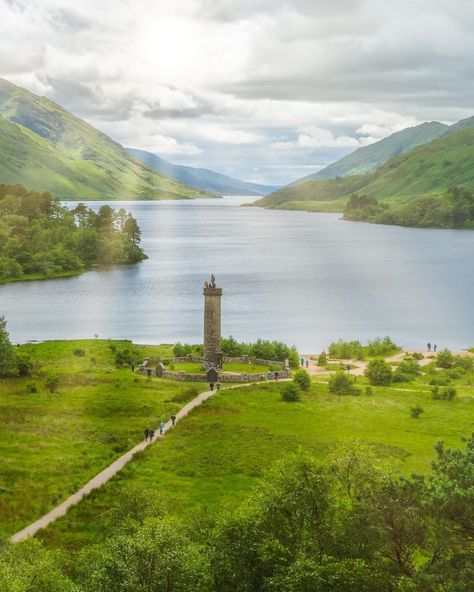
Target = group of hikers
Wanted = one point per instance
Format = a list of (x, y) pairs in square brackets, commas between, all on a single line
[(150, 434), (304, 362), (428, 346), (217, 385)]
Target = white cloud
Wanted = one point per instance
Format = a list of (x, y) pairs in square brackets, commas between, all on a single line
[(281, 85)]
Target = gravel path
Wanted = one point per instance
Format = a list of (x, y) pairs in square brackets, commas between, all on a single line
[(105, 475)]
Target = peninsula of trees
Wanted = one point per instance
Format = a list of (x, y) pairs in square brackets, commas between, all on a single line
[(39, 238)]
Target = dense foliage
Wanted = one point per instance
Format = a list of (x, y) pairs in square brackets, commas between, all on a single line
[(354, 350), (351, 525), (453, 210), (40, 237), (262, 349)]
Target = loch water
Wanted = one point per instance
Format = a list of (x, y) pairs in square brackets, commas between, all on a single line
[(306, 279)]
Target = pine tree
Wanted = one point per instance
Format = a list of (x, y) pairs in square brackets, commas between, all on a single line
[(8, 362)]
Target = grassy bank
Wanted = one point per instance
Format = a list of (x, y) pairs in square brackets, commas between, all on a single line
[(54, 443), (214, 458)]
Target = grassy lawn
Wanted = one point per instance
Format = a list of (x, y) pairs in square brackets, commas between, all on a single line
[(217, 454), (196, 367), (54, 443)]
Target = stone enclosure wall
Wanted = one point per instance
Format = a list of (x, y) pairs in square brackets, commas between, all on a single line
[(236, 360)]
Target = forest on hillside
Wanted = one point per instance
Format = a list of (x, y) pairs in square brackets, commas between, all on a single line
[(453, 210), (41, 238)]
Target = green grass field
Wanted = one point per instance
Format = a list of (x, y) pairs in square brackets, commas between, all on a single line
[(54, 443), (215, 456)]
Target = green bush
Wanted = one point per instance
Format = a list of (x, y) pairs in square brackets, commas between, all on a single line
[(181, 350), (415, 412), (440, 379), (52, 384), (79, 353), (24, 364), (322, 359), (445, 394), (302, 379), (379, 372), (445, 359), (368, 391), (417, 356), (31, 387), (341, 383), (291, 392)]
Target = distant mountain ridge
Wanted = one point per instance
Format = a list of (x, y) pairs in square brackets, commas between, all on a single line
[(429, 169), (46, 148), (200, 178), (369, 158)]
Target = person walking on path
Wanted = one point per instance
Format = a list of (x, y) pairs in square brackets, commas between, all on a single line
[(218, 386), (211, 386), (162, 428), (147, 433), (435, 347), (302, 361), (428, 345), (151, 435), (173, 420), (306, 363), (132, 366)]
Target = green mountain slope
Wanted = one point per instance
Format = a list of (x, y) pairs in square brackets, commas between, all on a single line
[(46, 148), (429, 169), (369, 158)]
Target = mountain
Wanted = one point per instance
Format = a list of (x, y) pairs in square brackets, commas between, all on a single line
[(369, 158), (46, 148), (430, 169), (203, 179)]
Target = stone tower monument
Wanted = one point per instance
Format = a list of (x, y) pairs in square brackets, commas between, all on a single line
[(212, 323)]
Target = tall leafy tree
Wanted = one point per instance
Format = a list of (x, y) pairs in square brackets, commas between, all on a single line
[(8, 362)]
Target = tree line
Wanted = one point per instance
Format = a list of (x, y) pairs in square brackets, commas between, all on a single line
[(344, 526), (39, 236), (453, 210)]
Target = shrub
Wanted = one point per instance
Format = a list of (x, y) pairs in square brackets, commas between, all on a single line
[(399, 376), (415, 412), (445, 394), (341, 383), (31, 387), (291, 392), (52, 384), (368, 391), (79, 353), (125, 356), (445, 359), (302, 379), (417, 356), (379, 372), (440, 380), (463, 363), (322, 359), (24, 364)]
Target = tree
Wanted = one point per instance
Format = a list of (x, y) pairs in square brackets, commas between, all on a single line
[(8, 361), (158, 557), (291, 392), (302, 379), (132, 230), (379, 372)]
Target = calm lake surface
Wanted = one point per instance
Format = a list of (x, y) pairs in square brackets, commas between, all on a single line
[(306, 279)]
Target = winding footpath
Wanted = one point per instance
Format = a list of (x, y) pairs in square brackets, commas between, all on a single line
[(107, 474)]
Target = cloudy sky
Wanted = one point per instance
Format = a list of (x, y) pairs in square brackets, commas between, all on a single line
[(264, 90)]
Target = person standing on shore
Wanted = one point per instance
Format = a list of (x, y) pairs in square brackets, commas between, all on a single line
[(302, 360), (428, 345), (435, 347)]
